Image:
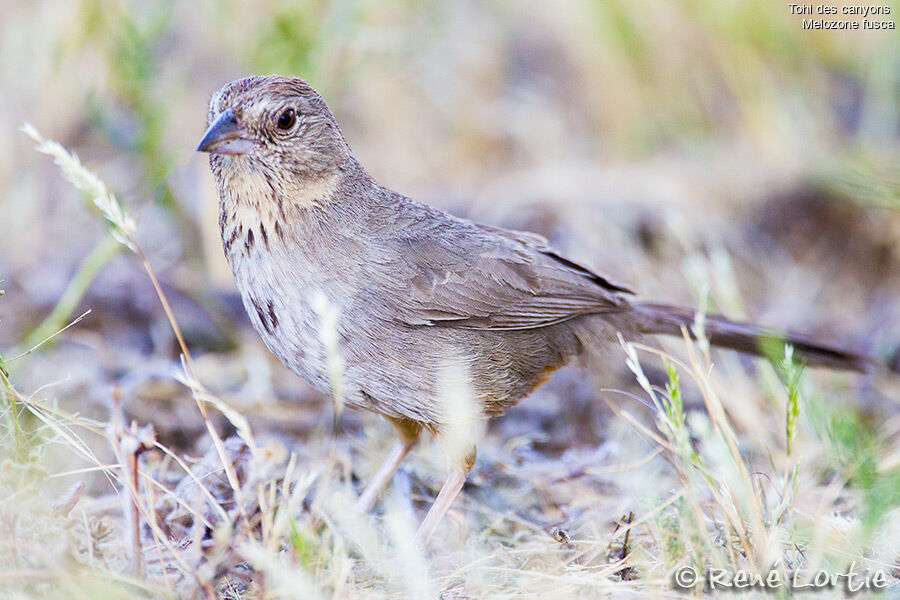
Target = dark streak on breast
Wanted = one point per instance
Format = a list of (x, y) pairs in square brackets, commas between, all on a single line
[(248, 242), (261, 313), (273, 318), (264, 234), (230, 240), (223, 219), (277, 196)]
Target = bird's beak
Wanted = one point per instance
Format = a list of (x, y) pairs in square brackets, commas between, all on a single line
[(226, 136)]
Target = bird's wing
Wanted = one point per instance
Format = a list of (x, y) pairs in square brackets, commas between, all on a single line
[(481, 277), (540, 244)]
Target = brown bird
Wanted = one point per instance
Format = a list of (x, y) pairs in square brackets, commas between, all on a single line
[(415, 288)]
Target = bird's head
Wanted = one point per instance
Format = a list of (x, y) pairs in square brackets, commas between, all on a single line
[(276, 128)]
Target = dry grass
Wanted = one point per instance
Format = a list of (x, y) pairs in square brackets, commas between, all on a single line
[(152, 449)]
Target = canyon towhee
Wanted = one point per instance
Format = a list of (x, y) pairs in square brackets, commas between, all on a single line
[(414, 287)]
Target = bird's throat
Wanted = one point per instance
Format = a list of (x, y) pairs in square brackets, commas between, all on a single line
[(255, 212)]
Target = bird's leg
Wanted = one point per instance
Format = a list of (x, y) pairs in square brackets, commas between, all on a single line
[(367, 499), (409, 433), (449, 491)]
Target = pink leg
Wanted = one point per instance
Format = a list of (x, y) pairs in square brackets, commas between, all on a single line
[(409, 432), (449, 491), (367, 500)]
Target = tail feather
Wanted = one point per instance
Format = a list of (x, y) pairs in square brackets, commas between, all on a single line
[(667, 319)]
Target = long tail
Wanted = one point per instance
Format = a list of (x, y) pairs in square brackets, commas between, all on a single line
[(667, 319)]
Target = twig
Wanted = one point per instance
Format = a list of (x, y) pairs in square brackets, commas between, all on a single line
[(128, 444), (68, 501), (50, 337)]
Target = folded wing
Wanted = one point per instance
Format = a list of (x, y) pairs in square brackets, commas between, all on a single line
[(488, 278)]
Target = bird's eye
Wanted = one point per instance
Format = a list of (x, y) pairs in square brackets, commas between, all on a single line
[(287, 119)]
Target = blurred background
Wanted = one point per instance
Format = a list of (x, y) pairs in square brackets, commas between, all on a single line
[(712, 153)]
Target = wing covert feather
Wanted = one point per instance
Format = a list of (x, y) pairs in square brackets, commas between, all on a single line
[(488, 278)]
